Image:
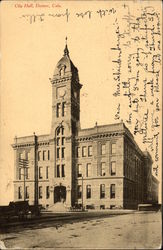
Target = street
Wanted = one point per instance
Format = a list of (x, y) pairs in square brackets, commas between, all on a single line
[(133, 231)]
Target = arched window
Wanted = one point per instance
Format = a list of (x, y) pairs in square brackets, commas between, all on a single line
[(62, 70)]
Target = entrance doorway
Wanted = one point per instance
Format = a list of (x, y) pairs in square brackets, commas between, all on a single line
[(59, 194)]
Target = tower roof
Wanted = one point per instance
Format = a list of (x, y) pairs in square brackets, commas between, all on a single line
[(64, 65), (66, 51)]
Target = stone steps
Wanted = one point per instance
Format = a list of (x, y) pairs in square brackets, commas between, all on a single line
[(58, 207)]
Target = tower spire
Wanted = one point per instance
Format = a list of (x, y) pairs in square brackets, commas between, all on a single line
[(66, 51)]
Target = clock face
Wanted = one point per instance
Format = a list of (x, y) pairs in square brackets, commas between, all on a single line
[(61, 92)]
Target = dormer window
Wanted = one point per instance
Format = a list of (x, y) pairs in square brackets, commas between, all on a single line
[(62, 70)]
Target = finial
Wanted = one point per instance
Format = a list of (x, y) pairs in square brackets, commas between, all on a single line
[(66, 51), (96, 124)]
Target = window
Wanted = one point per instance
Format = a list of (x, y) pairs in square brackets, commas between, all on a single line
[(48, 155), (47, 192), (103, 173), (63, 141), (47, 172), (88, 191), (112, 191), (40, 172), (91, 206), (63, 109), (27, 155), (89, 170), (77, 152), (58, 114), (102, 191), (44, 155), (40, 192), (84, 151), (27, 173), (79, 191), (20, 155), (62, 71), (63, 152), (60, 141), (39, 155), (27, 192), (58, 171), (58, 153), (103, 149), (20, 173), (63, 170), (113, 168), (113, 149), (79, 170), (89, 150), (19, 192), (58, 131)]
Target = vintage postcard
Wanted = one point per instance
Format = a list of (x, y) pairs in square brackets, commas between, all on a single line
[(81, 124)]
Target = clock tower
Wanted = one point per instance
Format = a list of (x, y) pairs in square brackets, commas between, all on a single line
[(66, 94), (65, 124)]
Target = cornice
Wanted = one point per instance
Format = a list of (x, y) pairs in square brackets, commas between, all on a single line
[(99, 178), (43, 143), (98, 136), (64, 79), (32, 180), (24, 145)]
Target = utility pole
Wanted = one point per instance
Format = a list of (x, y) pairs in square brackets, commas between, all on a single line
[(82, 192), (24, 182), (35, 170), (23, 163)]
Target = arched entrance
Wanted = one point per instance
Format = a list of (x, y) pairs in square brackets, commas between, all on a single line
[(59, 194)]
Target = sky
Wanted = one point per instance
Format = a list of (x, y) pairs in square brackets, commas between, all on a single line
[(30, 52)]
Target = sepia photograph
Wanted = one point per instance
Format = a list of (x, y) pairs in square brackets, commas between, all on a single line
[(81, 124)]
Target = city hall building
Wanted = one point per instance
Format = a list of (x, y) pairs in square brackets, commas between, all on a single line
[(97, 168)]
